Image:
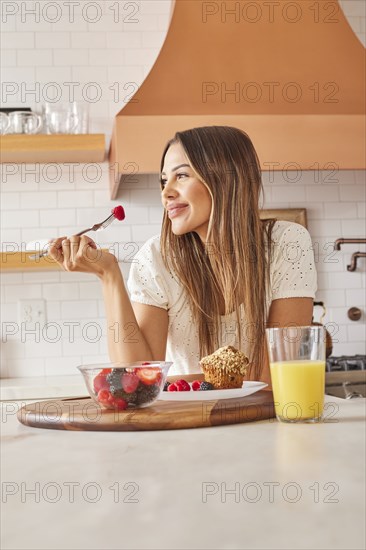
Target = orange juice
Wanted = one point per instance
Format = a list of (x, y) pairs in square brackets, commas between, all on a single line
[(298, 389)]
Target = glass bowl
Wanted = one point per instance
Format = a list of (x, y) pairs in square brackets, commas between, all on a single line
[(125, 385)]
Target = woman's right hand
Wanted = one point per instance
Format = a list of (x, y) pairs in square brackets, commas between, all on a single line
[(82, 254)]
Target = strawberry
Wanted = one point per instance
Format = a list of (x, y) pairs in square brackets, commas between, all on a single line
[(120, 404), (130, 382), (100, 381), (196, 385), (104, 396), (172, 387), (149, 376)]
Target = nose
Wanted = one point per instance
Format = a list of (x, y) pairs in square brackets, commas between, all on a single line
[(169, 190)]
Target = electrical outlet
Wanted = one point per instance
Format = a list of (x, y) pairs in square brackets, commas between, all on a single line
[(32, 311)]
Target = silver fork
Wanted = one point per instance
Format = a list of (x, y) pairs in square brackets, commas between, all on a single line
[(96, 227)]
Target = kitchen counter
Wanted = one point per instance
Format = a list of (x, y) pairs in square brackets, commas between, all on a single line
[(261, 485)]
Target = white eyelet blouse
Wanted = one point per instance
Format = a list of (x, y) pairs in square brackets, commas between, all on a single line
[(292, 274)]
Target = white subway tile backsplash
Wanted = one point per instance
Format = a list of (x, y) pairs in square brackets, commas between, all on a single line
[(85, 309), (8, 58), (354, 228), (81, 346), (46, 75), (17, 368), (66, 291), (144, 232), (16, 75), (52, 40), (89, 40), (13, 293), (55, 218), (356, 298), (9, 201), (90, 291), (346, 279), (76, 199), (121, 40), (323, 193), (340, 210), (20, 218), (45, 199), (90, 74), (112, 56), (62, 366), (353, 193), (31, 57), (71, 57), (293, 193), (357, 332), (323, 228)]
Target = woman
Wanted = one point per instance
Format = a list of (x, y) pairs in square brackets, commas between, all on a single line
[(217, 275)]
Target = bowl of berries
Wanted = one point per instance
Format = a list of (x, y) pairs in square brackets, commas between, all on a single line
[(125, 385)]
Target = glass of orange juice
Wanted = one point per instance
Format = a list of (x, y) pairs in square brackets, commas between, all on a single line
[(297, 365)]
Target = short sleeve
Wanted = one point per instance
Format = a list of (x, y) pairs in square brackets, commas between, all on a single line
[(293, 273), (146, 283)]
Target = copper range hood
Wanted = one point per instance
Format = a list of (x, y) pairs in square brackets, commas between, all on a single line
[(291, 74)]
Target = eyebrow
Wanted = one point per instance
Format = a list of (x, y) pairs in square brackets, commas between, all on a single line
[(177, 168)]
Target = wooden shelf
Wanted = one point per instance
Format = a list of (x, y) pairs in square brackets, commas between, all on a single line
[(20, 148), (20, 261)]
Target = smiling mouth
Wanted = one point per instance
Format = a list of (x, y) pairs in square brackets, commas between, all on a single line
[(174, 212)]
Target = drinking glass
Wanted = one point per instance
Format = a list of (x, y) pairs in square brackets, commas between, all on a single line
[(297, 364), (24, 122), (4, 123), (62, 121)]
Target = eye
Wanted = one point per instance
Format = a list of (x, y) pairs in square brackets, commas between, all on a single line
[(163, 182), (182, 175)]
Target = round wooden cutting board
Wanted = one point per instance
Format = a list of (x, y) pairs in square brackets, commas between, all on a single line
[(85, 414)]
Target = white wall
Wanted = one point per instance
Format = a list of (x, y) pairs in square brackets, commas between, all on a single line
[(43, 201)]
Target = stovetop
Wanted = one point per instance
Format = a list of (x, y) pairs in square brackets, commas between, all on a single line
[(346, 363)]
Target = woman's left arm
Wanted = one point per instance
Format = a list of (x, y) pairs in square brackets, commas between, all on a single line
[(290, 311), (287, 312)]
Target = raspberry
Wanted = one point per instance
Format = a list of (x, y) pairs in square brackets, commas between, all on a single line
[(196, 385), (183, 385), (172, 387), (119, 213), (206, 386)]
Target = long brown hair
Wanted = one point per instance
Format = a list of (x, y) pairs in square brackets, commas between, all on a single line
[(231, 268)]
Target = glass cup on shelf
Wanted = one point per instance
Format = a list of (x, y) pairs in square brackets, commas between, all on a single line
[(4, 123), (24, 122), (66, 118), (297, 365)]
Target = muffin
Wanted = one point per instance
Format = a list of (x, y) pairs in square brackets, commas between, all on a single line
[(225, 368)]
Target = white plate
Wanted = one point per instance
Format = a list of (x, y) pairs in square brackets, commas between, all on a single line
[(211, 395)]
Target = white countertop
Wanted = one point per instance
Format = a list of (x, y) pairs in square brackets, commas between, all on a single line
[(42, 387), (166, 489)]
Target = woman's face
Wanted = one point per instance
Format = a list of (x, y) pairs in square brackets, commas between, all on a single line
[(185, 198)]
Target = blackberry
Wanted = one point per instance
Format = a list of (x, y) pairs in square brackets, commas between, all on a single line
[(114, 380), (166, 386), (146, 394), (205, 386)]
